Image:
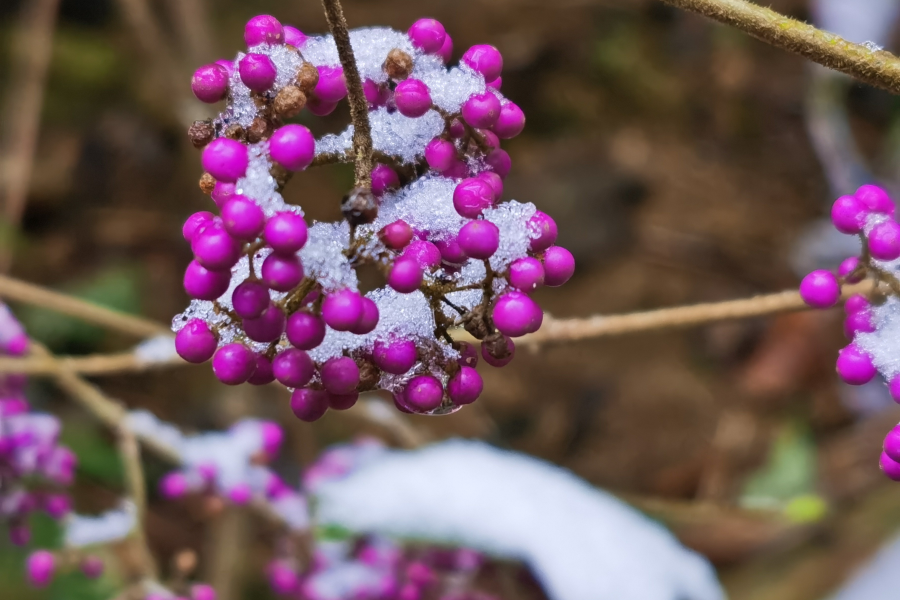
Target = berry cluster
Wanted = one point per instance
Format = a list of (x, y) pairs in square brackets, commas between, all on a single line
[(872, 322), (277, 299), (34, 468)]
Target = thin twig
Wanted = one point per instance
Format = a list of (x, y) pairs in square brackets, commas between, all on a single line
[(875, 67), (130, 452), (22, 109), (359, 108), (92, 364), (20, 291)]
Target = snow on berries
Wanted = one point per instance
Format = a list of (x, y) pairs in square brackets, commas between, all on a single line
[(872, 323), (276, 298)]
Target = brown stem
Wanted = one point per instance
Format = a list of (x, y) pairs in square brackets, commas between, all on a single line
[(359, 108), (878, 68)]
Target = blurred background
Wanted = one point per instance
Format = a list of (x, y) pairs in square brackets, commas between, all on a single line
[(684, 162)]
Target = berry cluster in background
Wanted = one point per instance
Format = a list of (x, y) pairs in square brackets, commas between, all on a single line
[(276, 298), (872, 322)]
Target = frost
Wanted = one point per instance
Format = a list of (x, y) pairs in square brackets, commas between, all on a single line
[(81, 530), (160, 348)]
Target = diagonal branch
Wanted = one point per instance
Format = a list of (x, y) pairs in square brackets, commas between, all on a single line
[(875, 67)]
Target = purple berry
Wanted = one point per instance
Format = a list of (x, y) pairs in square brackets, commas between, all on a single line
[(282, 579), (510, 123), (894, 388), (847, 268), (496, 83), (858, 322), (223, 192), (202, 591), (305, 331), (543, 231), (195, 223), (559, 265), (309, 405), (446, 51), (485, 59), (215, 249), (855, 366), (848, 214), (369, 319), (376, 95), (890, 467), (499, 362), (263, 29), (494, 181), (490, 138), (516, 314), (479, 239), (396, 357), (427, 35), (294, 37), (526, 274), (342, 401), (210, 83), (91, 567), (481, 110), (286, 232), (423, 393), (225, 159), (233, 364), (226, 64), (243, 218), (332, 86), (471, 196), (876, 199), (293, 368), (412, 98), (396, 235), (499, 161), (468, 355), (267, 327), (452, 254), (19, 534), (342, 310), (293, 147), (263, 374), (856, 303), (57, 505), (465, 386), (384, 178), (257, 71), (282, 273), (173, 486), (203, 284), (340, 375), (319, 107), (240, 494), (884, 240), (250, 299), (195, 343), (424, 253), (892, 443), (40, 567), (440, 154), (405, 275)]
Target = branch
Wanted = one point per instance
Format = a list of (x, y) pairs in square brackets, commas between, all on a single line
[(20, 291), (877, 68), (92, 364), (359, 108), (130, 453)]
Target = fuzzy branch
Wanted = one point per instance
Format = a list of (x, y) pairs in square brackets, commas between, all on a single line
[(878, 68), (359, 108)]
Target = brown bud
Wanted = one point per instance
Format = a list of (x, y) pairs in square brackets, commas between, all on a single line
[(289, 101), (398, 64), (359, 206), (369, 375), (234, 132), (201, 133), (207, 183), (259, 130), (307, 77), (185, 561), (496, 345)]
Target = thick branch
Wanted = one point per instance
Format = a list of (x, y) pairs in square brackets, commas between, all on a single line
[(359, 108), (878, 68)]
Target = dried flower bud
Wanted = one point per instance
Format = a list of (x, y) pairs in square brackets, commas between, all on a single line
[(497, 346), (234, 132), (369, 375), (207, 183), (289, 101), (201, 133), (398, 64), (259, 130), (307, 77), (359, 206)]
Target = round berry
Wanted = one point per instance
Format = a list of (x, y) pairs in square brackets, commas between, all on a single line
[(452, 253), (892, 443), (499, 161), (369, 319), (263, 29), (894, 388), (884, 240), (496, 83), (286, 232), (494, 181), (203, 284), (504, 357), (250, 299), (526, 274), (856, 303), (396, 235), (485, 59), (471, 196), (195, 343), (446, 51), (890, 467), (294, 37), (510, 122), (210, 83), (405, 275), (215, 249), (173, 485), (282, 273), (309, 405), (479, 239), (342, 310), (855, 366), (225, 159), (293, 368), (293, 147), (332, 86), (342, 401), (40, 567), (427, 35), (465, 386), (233, 364), (543, 231), (425, 253), (847, 269), (412, 98), (440, 154), (848, 214), (305, 331), (820, 289), (396, 357), (384, 178), (263, 374), (559, 265), (257, 71), (195, 224), (202, 591), (319, 107), (858, 322), (222, 193), (876, 199), (267, 327), (91, 566), (340, 375), (423, 393), (516, 314), (481, 110), (243, 218)]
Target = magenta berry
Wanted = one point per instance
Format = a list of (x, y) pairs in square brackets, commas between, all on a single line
[(405, 275), (281, 273), (516, 314), (858, 322), (446, 51), (210, 83), (559, 266), (510, 122), (242, 218), (526, 274), (203, 284), (856, 303), (848, 214), (319, 107), (57, 505), (397, 235), (286, 232), (543, 231), (890, 467), (876, 199), (215, 249), (452, 253), (173, 486), (250, 299), (240, 494), (342, 310), (425, 253), (309, 405), (485, 59), (847, 267), (293, 368), (92, 567), (263, 29), (499, 362), (855, 366), (440, 154), (267, 327), (40, 567), (496, 83), (342, 401), (233, 364), (195, 223), (369, 319), (384, 178), (202, 591), (482, 110), (464, 387), (412, 98), (479, 239), (884, 240), (293, 147), (222, 193), (225, 159), (305, 331), (257, 71), (195, 343), (499, 161), (294, 37), (894, 388), (472, 196), (494, 181), (332, 86), (396, 357), (892, 443), (423, 393), (340, 375), (427, 35), (262, 374)]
